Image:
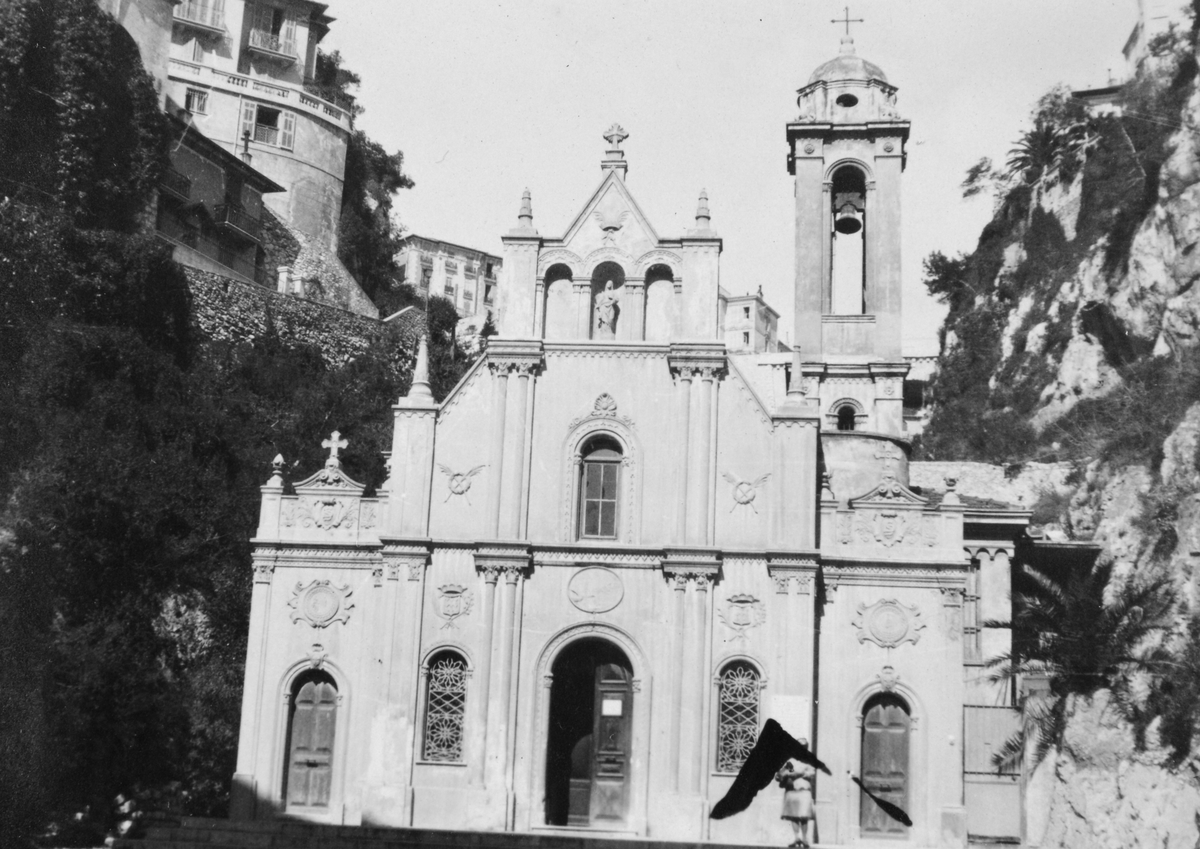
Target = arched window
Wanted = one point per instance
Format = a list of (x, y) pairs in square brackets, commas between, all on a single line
[(845, 417), (737, 720), (445, 707), (600, 476)]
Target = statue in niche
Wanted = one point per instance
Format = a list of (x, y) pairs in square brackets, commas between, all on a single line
[(606, 311)]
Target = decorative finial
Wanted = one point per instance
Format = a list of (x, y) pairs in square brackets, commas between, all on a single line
[(419, 390), (703, 218), (276, 472), (951, 496), (827, 487), (525, 216), (615, 135), (334, 443)]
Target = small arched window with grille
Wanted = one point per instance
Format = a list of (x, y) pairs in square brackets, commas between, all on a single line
[(445, 707), (737, 721)]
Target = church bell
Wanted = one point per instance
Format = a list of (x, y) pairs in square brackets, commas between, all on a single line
[(848, 220)]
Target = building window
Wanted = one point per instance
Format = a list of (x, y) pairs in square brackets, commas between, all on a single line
[(490, 272), (845, 417), (445, 707), (426, 276), (489, 294), (737, 721), (745, 312), (745, 338), (196, 101), (274, 127), (601, 473)]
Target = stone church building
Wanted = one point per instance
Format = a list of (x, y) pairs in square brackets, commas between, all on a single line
[(616, 549)]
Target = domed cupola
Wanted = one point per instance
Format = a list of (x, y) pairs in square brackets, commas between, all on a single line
[(847, 66), (847, 90)]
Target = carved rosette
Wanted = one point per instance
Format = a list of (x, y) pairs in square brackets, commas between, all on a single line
[(321, 603), (888, 623)]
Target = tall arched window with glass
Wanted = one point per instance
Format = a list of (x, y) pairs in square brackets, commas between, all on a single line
[(445, 707), (737, 720), (598, 488)]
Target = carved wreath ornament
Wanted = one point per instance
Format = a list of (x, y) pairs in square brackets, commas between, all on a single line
[(744, 492), (888, 623), (321, 603)]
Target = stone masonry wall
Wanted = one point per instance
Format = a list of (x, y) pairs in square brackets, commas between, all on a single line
[(231, 310)]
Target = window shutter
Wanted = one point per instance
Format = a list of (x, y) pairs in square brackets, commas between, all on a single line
[(287, 132), (249, 112), (287, 35)]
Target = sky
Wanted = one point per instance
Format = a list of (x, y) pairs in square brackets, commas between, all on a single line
[(486, 99)]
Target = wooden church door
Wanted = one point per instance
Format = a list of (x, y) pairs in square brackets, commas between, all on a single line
[(310, 743), (884, 763), (611, 736)]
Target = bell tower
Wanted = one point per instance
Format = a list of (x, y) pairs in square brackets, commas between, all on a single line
[(846, 152)]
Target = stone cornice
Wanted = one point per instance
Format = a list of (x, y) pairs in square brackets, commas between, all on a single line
[(524, 356), (705, 359)]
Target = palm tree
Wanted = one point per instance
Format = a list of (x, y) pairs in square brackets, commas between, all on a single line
[(1065, 630), (1047, 152)]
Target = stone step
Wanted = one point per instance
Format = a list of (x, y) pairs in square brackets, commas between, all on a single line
[(201, 833)]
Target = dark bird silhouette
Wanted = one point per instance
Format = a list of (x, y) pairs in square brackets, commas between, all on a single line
[(772, 750), (893, 811)]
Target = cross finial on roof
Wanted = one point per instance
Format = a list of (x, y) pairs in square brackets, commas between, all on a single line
[(334, 443), (847, 20), (615, 135)]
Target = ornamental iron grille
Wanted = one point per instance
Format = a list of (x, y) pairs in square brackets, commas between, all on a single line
[(445, 708), (737, 725)]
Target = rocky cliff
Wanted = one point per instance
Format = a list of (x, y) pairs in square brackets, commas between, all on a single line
[(1073, 340)]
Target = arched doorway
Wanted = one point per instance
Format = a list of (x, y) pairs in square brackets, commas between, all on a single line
[(312, 718), (591, 731), (885, 766)]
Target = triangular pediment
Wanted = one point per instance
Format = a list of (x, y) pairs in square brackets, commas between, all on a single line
[(889, 492), (611, 218)]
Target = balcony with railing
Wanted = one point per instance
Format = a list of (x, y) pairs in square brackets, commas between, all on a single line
[(266, 135), (237, 221), (272, 46), (203, 15), (176, 185)]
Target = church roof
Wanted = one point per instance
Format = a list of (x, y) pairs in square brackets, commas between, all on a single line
[(847, 66)]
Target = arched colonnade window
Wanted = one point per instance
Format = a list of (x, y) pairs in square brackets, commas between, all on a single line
[(611, 304)]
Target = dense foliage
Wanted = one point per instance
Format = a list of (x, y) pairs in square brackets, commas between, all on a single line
[(131, 451)]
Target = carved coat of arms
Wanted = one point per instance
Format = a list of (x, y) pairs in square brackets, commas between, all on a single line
[(741, 613), (888, 623), (453, 601)]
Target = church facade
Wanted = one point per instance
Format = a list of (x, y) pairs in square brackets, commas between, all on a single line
[(616, 549)]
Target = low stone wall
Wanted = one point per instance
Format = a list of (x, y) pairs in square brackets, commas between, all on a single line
[(231, 310), (1020, 488)]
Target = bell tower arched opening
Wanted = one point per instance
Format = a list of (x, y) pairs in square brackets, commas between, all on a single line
[(848, 240)]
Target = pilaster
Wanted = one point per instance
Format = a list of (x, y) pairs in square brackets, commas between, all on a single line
[(889, 396), (509, 360), (701, 251), (700, 366), (410, 483)]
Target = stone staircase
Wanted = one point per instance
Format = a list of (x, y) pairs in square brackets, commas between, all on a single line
[(199, 833)]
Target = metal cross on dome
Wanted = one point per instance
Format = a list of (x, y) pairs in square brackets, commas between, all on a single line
[(847, 20), (615, 135), (334, 443)]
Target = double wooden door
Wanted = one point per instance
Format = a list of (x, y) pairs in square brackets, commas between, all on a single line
[(885, 767), (599, 783), (311, 725)]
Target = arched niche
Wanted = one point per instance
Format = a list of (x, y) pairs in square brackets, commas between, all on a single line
[(848, 240), (560, 303), (608, 283), (662, 308)]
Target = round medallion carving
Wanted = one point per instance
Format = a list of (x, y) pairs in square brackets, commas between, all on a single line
[(809, 148), (888, 147), (888, 623), (321, 604), (595, 590)]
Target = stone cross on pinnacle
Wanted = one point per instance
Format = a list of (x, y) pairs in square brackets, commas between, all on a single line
[(615, 135), (334, 443), (847, 20)]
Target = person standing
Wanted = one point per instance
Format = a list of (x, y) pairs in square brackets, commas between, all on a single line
[(797, 799)]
